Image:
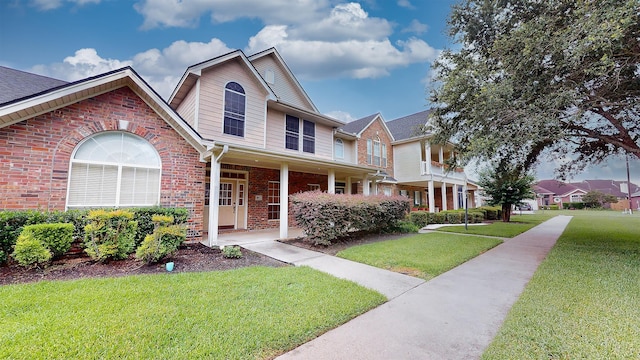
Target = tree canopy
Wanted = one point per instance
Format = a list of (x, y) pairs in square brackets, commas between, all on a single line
[(597, 199), (506, 186), (558, 78)]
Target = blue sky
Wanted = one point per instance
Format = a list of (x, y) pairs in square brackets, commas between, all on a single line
[(353, 58)]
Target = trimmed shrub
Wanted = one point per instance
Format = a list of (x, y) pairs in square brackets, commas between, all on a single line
[(56, 237), (492, 212), (231, 252), (11, 224), (439, 218), (419, 218), (454, 217), (110, 234), (326, 217), (164, 241), (144, 217), (576, 205), (404, 227), (29, 251)]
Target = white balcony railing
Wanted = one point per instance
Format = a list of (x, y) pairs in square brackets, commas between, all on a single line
[(440, 170)]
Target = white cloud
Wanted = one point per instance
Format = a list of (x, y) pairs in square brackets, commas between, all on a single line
[(187, 13), (44, 5), (416, 27), (160, 68), (405, 4), (341, 115)]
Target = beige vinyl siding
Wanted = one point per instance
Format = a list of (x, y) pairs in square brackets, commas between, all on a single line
[(284, 88), (275, 136), (187, 108), (212, 83), (406, 161), (349, 152)]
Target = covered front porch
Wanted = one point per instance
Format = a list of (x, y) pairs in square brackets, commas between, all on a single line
[(440, 195), (255, 236), (248, 189)]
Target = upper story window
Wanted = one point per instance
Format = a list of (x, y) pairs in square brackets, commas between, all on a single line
[(309, 136), (292, 134), (339, 149), (369, 151), (114, 169), (234, 109), (376, 152), (384, 155)]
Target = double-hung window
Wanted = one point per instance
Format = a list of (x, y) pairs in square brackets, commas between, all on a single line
[(292, 134), (234, 109), (384, 155), (376, 152), (369, 151), (339, 149), (273, 201)]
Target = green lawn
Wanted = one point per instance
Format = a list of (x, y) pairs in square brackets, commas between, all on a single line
[(584, 300), (518, 225), (423, 255), (251, 313)]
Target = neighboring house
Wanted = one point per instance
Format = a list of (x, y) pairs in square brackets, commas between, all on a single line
[(420, 167), (554, 192), (408, 164), (236, 137)]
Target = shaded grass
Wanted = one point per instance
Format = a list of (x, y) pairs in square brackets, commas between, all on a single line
[(518, 225), (423, 255), (249, 313), (584, 300)]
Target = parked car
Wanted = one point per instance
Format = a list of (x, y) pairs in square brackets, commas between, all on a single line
[(524, 207)]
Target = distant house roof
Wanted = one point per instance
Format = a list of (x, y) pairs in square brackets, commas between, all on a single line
[(408, 126), (611, 187), (356, 126), (16, 84)]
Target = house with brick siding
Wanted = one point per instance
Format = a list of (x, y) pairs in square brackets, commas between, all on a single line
[(104, 141), (407, 161), (555, 192)]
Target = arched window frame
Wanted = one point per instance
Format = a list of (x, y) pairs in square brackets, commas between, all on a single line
[(95, 195), (339, 149), (235, 105)]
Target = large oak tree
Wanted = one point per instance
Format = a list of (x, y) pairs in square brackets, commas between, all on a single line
[(541, 77)]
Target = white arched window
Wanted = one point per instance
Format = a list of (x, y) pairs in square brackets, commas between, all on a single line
[(339, 149), (234, 109), (114, 169)]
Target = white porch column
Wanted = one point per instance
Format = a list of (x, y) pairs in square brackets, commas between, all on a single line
[(214, 201), (432, 198), (455, 196), (444, 196), (464, 195), (365, 185), (427, 154), (374, 186), (284, 201), (331, 189), (347, 188), (441, 155)]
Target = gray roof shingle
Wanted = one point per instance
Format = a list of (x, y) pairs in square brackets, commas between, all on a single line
[(408, 126), (356, 126), (16, 84)]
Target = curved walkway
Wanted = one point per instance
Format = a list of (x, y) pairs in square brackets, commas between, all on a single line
[(453, 316)]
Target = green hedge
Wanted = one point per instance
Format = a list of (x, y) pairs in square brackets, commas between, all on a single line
[(475, 215), (327, 217), (13, 221)]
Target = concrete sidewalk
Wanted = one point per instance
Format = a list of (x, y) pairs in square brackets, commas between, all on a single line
[(453, 316)]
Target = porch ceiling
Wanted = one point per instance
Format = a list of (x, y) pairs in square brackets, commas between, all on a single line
[(250, 157)]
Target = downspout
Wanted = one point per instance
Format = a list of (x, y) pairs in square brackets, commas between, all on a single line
[(214, 197)]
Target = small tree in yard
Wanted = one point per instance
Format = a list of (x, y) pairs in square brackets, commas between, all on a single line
[(506, 186), (597, 199)]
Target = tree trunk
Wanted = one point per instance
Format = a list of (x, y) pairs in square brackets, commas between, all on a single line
[(506, 212)]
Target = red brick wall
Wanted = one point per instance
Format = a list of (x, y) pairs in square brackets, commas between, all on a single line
[(374, 130), (259, 184), (35, 154)]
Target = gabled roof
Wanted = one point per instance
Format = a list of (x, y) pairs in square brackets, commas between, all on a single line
[(611, 187), (16, 84), (357, 127), (274, 53), (554, 187), (408, 126), (194, 72), (69, 93)]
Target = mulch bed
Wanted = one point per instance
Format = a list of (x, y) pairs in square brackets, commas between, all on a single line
[(189, 258)]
